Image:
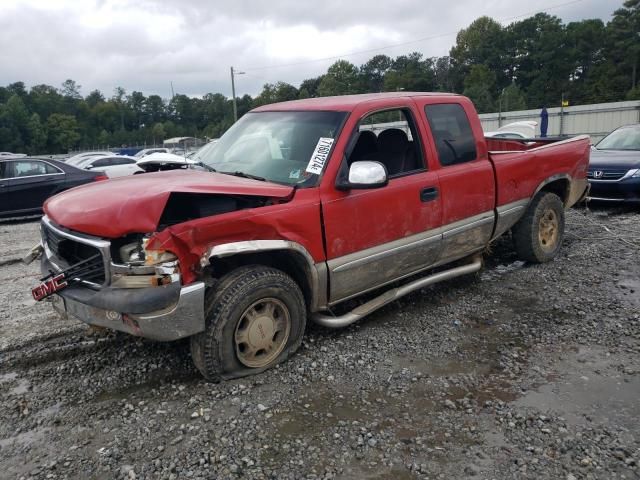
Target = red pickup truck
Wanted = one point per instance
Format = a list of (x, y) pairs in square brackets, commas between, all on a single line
[(299, 207)]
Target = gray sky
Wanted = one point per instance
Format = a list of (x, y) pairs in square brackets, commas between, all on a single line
[(145, 44)]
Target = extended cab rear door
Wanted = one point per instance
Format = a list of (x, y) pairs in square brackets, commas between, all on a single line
[(374, 236), (465, 175)]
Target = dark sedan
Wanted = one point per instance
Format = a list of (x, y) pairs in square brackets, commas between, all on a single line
[(25, 183), (614, 167)]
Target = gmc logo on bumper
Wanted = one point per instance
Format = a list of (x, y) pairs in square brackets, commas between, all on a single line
[(49, 287)]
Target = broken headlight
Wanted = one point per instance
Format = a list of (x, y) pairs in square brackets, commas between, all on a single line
[(143, 267)]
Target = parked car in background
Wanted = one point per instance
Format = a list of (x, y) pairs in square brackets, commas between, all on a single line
[(515, 130), (81, 157), (614, 167), (25, 183), (157, 162), (113, 165), (12, 155), (149, 151)]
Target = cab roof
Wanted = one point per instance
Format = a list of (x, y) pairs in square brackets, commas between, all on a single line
[(343, 103)]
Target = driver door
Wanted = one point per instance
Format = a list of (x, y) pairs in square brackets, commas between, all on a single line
[(375, 236)]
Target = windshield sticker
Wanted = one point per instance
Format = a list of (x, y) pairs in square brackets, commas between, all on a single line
[(294, 174), (319, 156)]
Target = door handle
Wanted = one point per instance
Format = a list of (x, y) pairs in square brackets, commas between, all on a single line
[(428, 194)]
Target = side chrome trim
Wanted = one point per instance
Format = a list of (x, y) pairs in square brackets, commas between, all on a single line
[(360, 272), (255, 246), (393, 294), (365, 270), (467, 224), (434, 235), (466, 236), (508, 216)]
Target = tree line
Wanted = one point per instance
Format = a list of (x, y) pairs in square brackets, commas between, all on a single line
[(527, 64)]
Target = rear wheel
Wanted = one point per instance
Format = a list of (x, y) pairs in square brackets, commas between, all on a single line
[(256, 318), (538, 235)]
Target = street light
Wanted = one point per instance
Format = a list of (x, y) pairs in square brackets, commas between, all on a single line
[(233, 93)]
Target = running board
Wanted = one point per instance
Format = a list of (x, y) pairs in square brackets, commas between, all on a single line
[(393, 294)]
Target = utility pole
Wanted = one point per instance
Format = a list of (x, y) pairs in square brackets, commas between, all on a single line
[(500, 108), (562, 114), (233, 93)]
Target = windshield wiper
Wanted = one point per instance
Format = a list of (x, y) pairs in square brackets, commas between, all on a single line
[(245, 175), (206, 167)]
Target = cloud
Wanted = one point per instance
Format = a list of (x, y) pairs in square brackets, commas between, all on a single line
[(146, 44)]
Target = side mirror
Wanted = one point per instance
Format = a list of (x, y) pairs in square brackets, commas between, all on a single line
[(367, 174), (88, 167)]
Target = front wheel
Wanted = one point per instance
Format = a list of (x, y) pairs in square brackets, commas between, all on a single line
[(538, 235), (255, 318)]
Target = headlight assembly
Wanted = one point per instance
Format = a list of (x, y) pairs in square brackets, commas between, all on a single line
[(143, 268)]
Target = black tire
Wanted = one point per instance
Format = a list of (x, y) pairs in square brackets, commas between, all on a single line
[(216, 352), (532, 239)]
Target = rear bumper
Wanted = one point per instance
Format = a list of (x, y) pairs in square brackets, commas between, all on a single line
[(627, 190), (159, 313)]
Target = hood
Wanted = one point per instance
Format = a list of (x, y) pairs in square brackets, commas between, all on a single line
[(134, 204), (615, 159)]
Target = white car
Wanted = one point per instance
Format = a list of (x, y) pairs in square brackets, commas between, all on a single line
[(81, 157), (12, 155), (149, 151), (516, 130), (113, 165), (165, 161)]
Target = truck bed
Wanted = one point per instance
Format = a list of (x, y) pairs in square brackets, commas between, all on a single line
[(522, 167)]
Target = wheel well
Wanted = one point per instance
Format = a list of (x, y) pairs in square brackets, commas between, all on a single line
[(560, 187), (290, 262)]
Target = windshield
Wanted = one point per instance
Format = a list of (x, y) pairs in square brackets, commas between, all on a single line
[(282, 147), (621, 139)]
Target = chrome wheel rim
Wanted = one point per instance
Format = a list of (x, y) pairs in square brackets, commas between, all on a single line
[(262, 332), (549, 230)]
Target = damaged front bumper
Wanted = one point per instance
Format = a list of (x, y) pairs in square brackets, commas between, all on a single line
[(164, 313)]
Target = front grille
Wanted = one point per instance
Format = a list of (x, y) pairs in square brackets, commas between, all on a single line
[(606, 174), (84, 262)]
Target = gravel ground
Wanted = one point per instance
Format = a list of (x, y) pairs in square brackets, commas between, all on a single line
[(527, 371)]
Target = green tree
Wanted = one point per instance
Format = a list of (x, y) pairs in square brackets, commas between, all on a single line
[(103, 139), (94, 98), (158, 133), (62, 132), (478, 86), (14, 118), (512, 99), (539, 65), (410, 73), (37, 135), (372, 73), (310, 86), (585, 52), (482, 42), (70, 89), (341, 79), (276, 92), (623, 45)]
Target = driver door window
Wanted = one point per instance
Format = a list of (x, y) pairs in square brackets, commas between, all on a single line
[(389, 137)]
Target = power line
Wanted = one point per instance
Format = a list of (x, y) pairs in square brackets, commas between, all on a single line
[(410, 42)]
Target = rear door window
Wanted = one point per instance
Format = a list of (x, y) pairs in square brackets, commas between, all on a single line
[(452, 133), (30, 168)]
